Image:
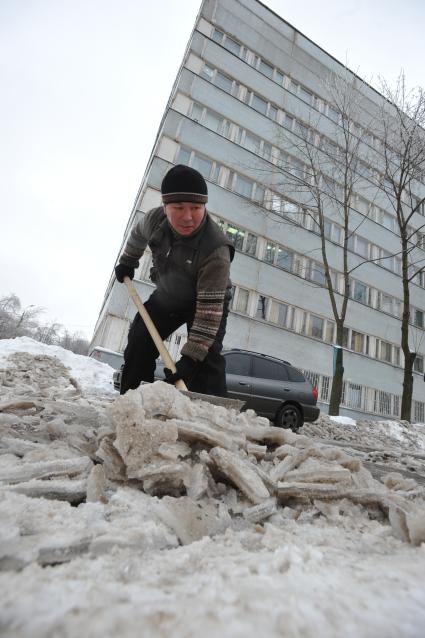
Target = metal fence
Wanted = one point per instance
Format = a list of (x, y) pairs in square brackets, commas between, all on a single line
[(364, 399)]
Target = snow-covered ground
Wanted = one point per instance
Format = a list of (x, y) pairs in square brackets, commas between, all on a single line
[(104, 556)]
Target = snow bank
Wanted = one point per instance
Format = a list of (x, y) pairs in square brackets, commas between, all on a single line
[(93, 376), (198, 520), (343, 420)]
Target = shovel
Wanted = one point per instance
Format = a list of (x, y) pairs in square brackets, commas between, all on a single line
[(166, 357)]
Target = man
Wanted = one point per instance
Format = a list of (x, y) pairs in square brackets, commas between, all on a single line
[(191, 263)]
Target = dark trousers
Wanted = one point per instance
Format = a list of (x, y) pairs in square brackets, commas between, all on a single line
[(141, 352)]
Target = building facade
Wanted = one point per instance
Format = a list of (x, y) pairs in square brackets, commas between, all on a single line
[(250, 83)]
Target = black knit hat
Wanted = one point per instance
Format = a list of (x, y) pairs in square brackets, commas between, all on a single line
[(184, 184)]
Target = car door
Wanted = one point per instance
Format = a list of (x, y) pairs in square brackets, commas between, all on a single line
[(238, 376), (270, 385)]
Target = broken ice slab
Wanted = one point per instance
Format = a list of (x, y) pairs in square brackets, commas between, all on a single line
[(192, 521), (283, 451), (19, 447), (196, 481), (260, 512), (63, 550), (13, 406), (172, 451), (139, 442), (258, 451), (113, 464), (327, 491), (96, 485), (46, 469), (199, 432), (407, 519), (54, 489), (319, 475), (162, 477), (241, 473), (289, 463)]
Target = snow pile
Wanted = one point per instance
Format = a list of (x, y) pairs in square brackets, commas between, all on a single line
[(384, 433), (93, 376), (165, 516)]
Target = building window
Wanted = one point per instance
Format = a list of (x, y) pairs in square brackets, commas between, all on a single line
[(259, 104), (242, 186), (251, 244), (272, 112), (252, 142), (292, 211), (418, 318), (207, 73), (278, 313), (279, 77), (241, 301), (317, 273), (223, 82), (362, 247), (396, 356), (267, 150), (305, 95), (203, 165), (385, 351), (266, 69), (330, 331), (261, 307), (362, 206), (197, 111), (183, 156), (288, 122), (270, 252), (218, 36), (333, 113), (420, 240), (232, 46), (397, 308), (284, 258), (315, 327), (357, 341), (259, 193), (385, 302), (213, 121), (388, 221), (359, 292), (276, 203), (236, 236), (418, 364)]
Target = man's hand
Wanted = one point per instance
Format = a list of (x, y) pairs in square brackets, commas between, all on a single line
[(122, 271), (186, 368)]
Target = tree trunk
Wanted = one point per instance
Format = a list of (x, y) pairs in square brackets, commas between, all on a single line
[(406, 398), (409, 357), (338, 378)]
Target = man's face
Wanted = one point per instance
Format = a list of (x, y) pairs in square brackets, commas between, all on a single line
[(185, 217)]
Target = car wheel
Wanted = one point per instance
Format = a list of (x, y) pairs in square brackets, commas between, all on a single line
[(289, 417)]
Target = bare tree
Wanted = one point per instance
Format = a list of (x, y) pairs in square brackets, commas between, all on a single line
[(321, 164), (10, 305), (74, 342), (16, 321), (48, 333), (402, 129)]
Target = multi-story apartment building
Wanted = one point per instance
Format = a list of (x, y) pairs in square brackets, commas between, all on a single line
[(247, 80)]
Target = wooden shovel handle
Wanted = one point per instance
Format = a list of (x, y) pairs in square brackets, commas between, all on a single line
[(156, 338)]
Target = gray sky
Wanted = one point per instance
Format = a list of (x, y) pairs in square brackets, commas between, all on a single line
[(84, 84)]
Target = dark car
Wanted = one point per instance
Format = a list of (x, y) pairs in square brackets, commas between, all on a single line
[(270, 386)]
